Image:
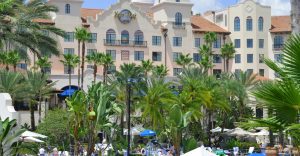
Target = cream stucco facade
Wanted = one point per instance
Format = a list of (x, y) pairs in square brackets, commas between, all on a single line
[(156, 32)]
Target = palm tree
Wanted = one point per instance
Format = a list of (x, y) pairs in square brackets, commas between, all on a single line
[(157, 98), (184, 60), (78, 34), (38, 87), (17, 27), (70, 61), (205, 52), (82, 35), (210, 38), (14, 84), (227, 53), (160, 71), (95, 59), (4, 60), (147, 66), (13, 59), (43, 63), (106, 61)]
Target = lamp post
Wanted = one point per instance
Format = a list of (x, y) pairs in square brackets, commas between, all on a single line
[(129, 90)]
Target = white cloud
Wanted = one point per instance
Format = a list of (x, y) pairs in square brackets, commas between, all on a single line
[(200, 6), (279, 7)]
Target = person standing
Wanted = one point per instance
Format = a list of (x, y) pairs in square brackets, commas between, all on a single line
[(41, 151)]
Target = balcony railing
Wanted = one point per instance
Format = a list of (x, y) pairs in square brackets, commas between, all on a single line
[(178, 25), (277, 47), (125, 43)]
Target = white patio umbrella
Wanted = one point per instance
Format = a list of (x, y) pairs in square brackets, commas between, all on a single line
[(33, 134), (133, 131), (31, 139), (238, 132), (201, 151), (219, 129)]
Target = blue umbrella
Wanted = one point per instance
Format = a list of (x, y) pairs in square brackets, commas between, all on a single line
[(147, 132), (68, 92)]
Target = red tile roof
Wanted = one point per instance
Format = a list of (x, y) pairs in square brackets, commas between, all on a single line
[(43, 21), (281, 24), (90, 12), (200, 24)]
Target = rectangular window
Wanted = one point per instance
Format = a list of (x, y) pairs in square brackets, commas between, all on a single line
[(196, 57), (217, 43), (89, 66), (69, 37), (261, 43), (91, 51), (156, 40), (250, 71), (261, 58), (22, 66), (261, 72), (217, 58), (278, 58), (249, 58), (112, 54), (197, 42), (93, 38), (156, 56), (175, 56), (249, 24), (138, 55), (177, 71), (177, 41), (69, 51), (47, 70), (237, 58), (237, 43), (111, 69), (249, 43), (125, 55), (68, 71)]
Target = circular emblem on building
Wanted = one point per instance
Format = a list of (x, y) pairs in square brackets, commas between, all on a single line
[(125, 16)]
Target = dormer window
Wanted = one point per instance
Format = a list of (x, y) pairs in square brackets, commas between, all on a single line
[(67, 9)]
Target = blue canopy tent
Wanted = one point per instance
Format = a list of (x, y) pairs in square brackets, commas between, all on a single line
[(147, 132), (68, 91)]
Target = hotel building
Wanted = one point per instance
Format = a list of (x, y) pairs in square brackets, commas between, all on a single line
[(135, 30)]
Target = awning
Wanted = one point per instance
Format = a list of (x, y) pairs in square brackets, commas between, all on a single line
[(147, 133)]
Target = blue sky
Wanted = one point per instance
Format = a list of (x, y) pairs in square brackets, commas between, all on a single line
[(279, 7)]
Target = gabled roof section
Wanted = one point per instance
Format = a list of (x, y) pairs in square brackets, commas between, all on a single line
[(85, 12), (281, 24), (200, 24)]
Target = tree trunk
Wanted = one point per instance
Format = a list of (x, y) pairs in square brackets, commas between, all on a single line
[(281, 138), (209, 127), (224, 64), (78, 64), (91, 141), (69, 70), (104, 73), (32, 120), (227, 65), (295, 15), (271, 137), (76, 148), (95, 73), (15, 68), (40, 108), (82, 63), (7, 68), (177, 143)]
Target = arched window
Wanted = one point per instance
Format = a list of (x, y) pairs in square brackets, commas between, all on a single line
[(67, 9), (110, 36), (178, 18), (138, 37), (249, 23), (278, 42), (125, 37), (237, 24), (260, 24)]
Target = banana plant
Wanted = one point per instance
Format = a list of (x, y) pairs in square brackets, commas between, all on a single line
[(8, 137)]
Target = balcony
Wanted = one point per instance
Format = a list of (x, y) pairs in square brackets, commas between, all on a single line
[(178, 25), (277, 47), (125, 43)]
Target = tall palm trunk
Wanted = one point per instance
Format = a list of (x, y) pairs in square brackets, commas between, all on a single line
[(227, 65), (78, 64), (69, 71), (224, 64), (209, 127), (295, 14), (82, 63), (104, 73), (95, 73), (91, 141), (7, 68), (15, 68), (32, 120), (40, 107)]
